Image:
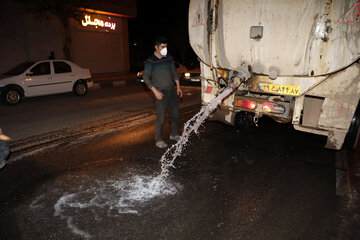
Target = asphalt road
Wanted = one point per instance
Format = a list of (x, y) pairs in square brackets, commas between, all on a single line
[(40, 115), (271, 182)]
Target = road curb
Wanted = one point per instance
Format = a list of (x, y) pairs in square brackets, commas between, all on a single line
[(113, 80), (117, 83)]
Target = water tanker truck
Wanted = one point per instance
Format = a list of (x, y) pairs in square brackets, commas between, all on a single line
[(303, 57)]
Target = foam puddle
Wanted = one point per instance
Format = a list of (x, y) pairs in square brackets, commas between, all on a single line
[(111, 198)]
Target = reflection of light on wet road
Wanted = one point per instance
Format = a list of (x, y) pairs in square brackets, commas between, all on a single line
[(135, 137), (132, 137), (108, 198)]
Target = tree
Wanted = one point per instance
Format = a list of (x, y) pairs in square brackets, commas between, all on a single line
[(64, 10)]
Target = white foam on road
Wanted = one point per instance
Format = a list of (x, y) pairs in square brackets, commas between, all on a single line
[(76, 230), (111, 198)]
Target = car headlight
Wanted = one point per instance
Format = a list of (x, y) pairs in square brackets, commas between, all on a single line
[(187, 74)]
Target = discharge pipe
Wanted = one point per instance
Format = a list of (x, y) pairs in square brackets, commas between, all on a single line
[(236, 78)]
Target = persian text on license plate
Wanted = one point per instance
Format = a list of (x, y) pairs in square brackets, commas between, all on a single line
[(280, 89)]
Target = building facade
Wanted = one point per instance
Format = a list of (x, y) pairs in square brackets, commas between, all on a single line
[(99, 41)]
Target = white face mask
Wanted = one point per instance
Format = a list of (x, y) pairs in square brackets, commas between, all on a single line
[(163, 51)]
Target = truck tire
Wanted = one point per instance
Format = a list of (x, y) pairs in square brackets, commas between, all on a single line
[(244, 120), (352, 137)]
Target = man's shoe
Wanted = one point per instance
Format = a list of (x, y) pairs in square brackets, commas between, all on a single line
[(161, 144), (175, 138)]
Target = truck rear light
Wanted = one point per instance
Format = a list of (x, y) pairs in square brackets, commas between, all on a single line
[(273, 108), (246, 104)]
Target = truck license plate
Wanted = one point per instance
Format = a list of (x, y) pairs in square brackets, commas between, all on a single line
[(280, 89)]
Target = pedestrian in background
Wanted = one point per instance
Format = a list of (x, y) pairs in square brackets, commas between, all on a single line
[(160, 74), (52, 55)]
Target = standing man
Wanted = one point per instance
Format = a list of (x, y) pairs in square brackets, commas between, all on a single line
[(159, 75)]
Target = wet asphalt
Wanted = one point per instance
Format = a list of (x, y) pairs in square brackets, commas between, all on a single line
[(270, 182)]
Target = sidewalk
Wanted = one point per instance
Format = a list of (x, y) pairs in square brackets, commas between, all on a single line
[(113, 79)]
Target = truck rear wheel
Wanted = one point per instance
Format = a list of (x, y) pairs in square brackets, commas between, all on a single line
[(352, 137), (244, 120)]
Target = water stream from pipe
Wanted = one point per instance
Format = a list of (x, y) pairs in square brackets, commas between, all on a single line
[(192, 125)]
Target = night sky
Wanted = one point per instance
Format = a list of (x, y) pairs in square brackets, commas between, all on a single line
[(160, 17)]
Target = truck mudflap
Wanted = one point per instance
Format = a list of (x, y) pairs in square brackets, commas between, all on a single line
[(329, 107)]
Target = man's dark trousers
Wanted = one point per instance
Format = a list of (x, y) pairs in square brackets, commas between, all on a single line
[(170, 102)]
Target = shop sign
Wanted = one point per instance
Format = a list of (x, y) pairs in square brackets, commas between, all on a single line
[(96, 22)]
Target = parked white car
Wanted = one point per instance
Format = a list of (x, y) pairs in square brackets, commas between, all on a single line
[(44, 78), (191, 77)]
